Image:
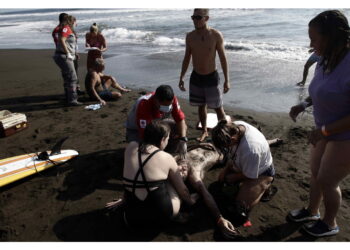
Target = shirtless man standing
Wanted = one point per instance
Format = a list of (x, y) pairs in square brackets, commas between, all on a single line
[(202, 45)]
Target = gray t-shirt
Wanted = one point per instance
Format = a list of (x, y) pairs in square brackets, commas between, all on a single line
[(253, 155)]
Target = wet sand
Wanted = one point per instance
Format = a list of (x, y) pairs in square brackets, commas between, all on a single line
[(66, 203)]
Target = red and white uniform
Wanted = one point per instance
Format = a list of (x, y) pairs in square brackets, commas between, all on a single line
[(55, 34), (71, 40), (145, 110)]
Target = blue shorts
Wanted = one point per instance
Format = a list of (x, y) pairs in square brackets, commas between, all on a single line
[(105, 94), (269, 172)]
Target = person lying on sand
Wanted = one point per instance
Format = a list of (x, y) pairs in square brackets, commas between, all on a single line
[(250, 166), (198, 159), (97, 84)]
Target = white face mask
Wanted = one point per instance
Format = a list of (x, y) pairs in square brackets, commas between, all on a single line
[(166, 109)]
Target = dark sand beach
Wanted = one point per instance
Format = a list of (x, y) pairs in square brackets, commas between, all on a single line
[(66, 203)]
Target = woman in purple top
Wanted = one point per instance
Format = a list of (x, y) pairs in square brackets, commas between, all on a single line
[(330, 96)]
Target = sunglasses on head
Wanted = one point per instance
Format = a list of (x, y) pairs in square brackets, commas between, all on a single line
[(197, 17)]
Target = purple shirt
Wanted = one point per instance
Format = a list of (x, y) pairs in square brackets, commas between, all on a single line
[(330, 93)]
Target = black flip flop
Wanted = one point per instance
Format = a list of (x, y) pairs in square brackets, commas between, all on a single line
[(269, 194)]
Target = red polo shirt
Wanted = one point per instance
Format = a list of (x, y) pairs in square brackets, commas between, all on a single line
[(148, 111)]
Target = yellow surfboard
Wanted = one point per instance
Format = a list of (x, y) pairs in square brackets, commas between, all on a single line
[(18, 167)]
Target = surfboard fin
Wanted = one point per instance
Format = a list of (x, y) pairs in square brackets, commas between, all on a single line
[(56, 149)]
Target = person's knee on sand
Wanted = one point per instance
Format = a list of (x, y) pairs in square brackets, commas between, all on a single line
[(116, 95), (251, 191)]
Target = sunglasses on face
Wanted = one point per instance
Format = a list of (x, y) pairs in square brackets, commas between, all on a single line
[(197, 17)]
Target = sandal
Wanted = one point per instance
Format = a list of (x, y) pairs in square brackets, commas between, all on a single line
[(269, 194)]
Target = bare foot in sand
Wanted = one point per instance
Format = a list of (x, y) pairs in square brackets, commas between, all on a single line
[(203, 136), (125, 90), (275, 142), (115, 204)]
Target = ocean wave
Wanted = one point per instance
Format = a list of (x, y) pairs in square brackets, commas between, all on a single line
[(169, 41), (270, 50), (50, 12), (122, 35)]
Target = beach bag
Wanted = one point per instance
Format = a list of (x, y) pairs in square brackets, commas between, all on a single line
[(11, 123)]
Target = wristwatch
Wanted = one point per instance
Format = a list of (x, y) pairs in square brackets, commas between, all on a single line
[(184, 138)]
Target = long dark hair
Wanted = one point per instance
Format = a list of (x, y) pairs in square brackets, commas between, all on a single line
[(221, 135), (153, 134), (333, 26)]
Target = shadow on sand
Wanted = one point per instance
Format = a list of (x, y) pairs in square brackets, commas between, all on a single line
[(36, 103), (93, 171)]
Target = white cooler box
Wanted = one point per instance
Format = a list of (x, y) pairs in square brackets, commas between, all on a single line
[(11, 123)]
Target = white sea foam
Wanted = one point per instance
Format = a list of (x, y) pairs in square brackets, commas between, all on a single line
[(125, 35), (75, 12), (169, 41), (269, 50), (122, 35)]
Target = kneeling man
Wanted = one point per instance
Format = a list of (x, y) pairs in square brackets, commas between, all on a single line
[(161, 104)]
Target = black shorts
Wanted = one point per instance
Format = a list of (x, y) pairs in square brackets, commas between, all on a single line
[(269, 172), (204, 90)]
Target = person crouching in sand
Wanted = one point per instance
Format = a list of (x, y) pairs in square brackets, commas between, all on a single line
[(190, 169), (153, 185), (97, 84), (249, 168), (161, 104), (199, 158)]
